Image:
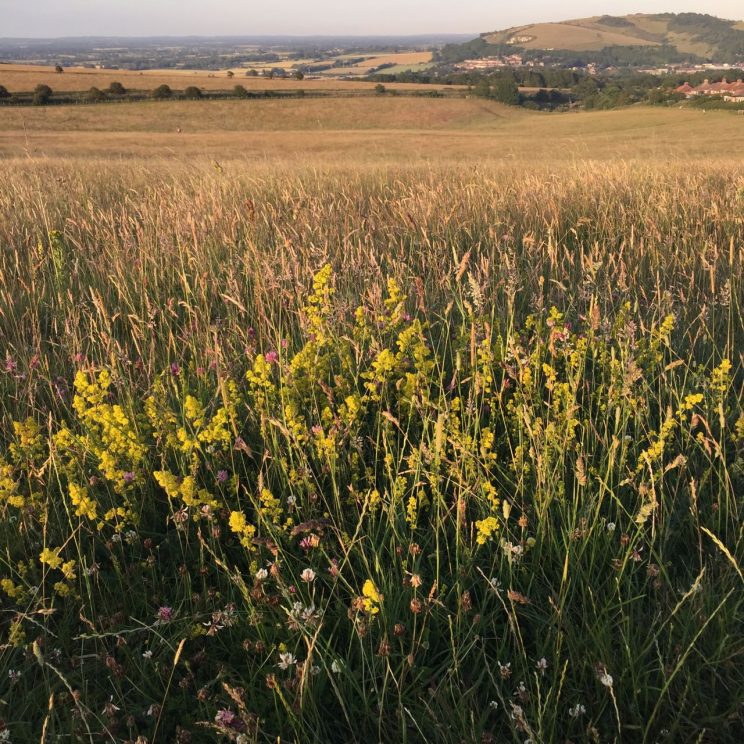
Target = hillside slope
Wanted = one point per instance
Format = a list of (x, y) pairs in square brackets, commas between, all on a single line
[(689, 34)]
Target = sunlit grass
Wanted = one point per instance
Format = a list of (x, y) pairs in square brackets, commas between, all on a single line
[(414, 455)]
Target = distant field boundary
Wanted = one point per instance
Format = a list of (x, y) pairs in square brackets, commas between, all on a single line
[(79, 98)]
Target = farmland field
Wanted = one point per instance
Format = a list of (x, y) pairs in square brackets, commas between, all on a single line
[(371, 419), (23, 78)]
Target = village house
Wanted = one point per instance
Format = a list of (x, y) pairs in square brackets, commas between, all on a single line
[(733, 92)]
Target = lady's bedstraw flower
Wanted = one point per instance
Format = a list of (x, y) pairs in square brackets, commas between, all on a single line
[(371, 597)]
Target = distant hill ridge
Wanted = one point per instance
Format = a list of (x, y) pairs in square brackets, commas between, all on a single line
[(648, 38)]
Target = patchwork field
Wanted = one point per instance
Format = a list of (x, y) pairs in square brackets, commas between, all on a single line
[(371, 419), (24, 78)]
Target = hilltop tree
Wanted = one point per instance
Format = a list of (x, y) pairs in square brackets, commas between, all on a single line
[(162, 92), (192, 93), (239, 91), (59, 69), (299, 75), (230, 74), (42, 94), (4, 92), (117, 89)]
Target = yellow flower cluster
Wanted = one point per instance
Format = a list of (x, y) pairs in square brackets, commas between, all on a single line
[(486, 528), (112, 436), (184, 489), (371, 598), (84, 505), (240, 526)]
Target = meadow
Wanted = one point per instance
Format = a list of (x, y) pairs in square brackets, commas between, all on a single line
[(326, 441)]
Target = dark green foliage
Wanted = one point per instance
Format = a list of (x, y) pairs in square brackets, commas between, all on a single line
[(95, 95), (162, 92), (42, 95)]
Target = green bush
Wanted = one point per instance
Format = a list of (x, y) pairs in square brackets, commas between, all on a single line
[(162, 92), (42, 95), (95, 95)]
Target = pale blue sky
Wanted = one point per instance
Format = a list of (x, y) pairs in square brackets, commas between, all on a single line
[(305, 17)]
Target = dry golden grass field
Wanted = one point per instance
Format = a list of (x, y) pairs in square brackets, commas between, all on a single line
[(24, 78), (365, 130), (370, 418)]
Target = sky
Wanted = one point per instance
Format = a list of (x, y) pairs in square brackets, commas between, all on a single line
[(54, 18)]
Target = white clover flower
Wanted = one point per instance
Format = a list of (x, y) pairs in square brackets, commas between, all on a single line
[(605, 678), (336, 667), (147, 654), (286, 660), (542, 665), (493, 705), (577, 710), (308, 575), (262, 574), (611, 526)]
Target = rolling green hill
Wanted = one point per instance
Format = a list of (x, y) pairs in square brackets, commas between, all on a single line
[(632, 39)]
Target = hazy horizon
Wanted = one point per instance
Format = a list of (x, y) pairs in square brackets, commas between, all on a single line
[(142, 18)]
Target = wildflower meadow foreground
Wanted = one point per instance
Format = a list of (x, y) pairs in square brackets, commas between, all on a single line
[(462, 507)]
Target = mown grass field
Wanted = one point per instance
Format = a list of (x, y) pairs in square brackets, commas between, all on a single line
[(378, 130), (424, 427)]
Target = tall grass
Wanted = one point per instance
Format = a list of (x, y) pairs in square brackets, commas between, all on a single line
[(478, 480)]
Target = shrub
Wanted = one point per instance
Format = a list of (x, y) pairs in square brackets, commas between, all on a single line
[(4, 92), (380, 89), (117, 89), (95, 94), (239, 91), (192, 93), (42, 94), (162, 92)]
